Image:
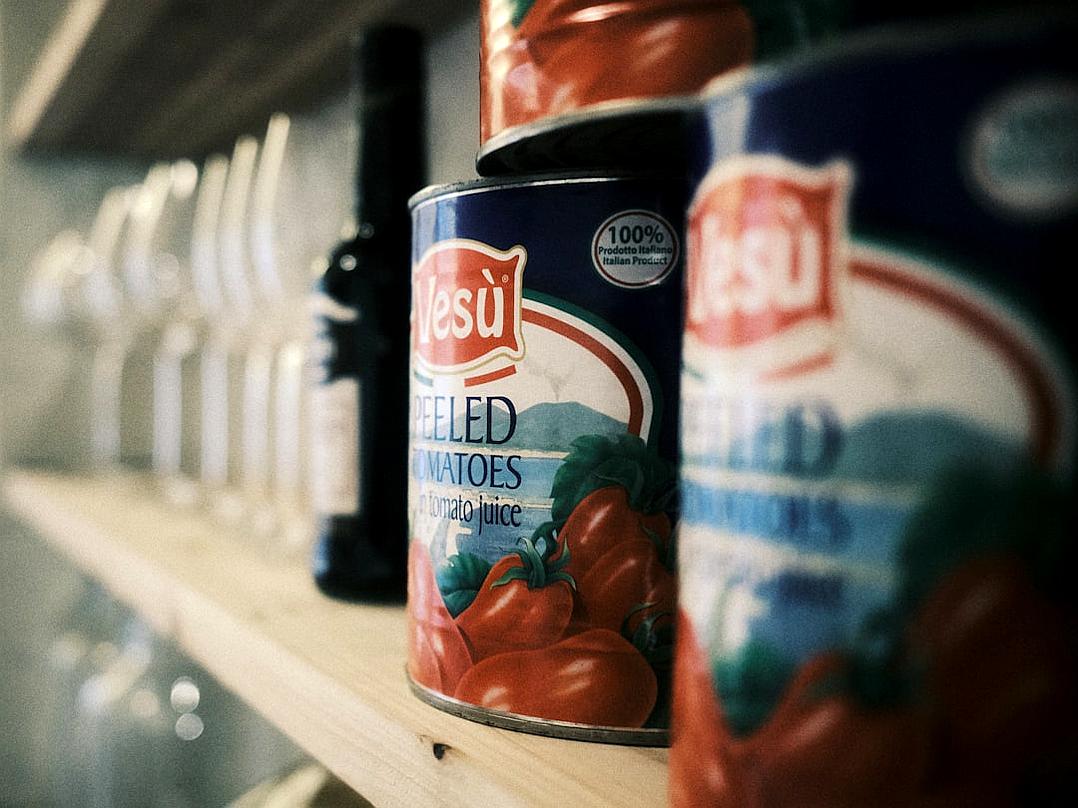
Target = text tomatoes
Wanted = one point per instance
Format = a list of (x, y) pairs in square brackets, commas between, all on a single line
[(628, 576), (600, 521), (595, 677), (437, 653), (515, 613)]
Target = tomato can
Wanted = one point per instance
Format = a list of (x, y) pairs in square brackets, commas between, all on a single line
[(578, 84), (544, 373), (877, 531)]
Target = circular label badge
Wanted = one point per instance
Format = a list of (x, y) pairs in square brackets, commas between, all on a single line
[(635, 248), (1024, 150)]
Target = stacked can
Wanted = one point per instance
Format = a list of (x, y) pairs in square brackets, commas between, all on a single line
[(878, 426), (579, 84), (546, 331)]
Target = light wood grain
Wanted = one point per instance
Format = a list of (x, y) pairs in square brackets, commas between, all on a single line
[(329, 675)]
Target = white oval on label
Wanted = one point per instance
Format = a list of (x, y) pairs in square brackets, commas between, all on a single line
[(635, 248), (1024, 149)]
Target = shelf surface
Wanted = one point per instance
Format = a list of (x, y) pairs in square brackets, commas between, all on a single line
[(172, 78), (329, 675)]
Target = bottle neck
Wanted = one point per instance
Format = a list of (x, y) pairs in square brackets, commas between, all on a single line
[(391, 160)]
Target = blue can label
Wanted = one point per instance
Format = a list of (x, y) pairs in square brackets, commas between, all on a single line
[(827, 387), (876, 458), (542, 481)]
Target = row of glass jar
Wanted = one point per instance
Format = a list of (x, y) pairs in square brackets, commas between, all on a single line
[(186, 305)]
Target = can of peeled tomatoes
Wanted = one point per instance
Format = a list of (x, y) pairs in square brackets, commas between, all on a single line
[(878, 427), (544, 369), (579, 84)]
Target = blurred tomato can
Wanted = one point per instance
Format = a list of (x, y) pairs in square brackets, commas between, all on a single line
[(578, 84), (544, 372), (878, 427)]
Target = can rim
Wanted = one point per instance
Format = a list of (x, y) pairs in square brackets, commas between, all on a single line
[(909, 39), (539, 726), (626, 112), (433, 193)]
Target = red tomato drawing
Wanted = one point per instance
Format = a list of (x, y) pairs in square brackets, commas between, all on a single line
[(517, 613), (815, 751), (437, 653), (624, 578), (703, 772), (834, 754), (602, 520), (821, 750), (595, 678), (1000, 668)]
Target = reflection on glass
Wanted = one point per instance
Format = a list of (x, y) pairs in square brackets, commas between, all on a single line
[(228, 342)]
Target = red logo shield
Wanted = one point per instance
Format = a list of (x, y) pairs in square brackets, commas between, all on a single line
[(466, 305), (766, 251)]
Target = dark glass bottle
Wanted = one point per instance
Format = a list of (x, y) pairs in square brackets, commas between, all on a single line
[(361, 309)]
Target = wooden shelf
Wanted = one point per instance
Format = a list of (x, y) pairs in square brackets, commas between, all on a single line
[(172, 78), (329, 675)]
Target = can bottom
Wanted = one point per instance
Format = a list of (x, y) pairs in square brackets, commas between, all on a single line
[(540, 726)]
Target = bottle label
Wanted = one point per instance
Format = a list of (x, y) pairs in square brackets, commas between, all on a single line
[(335, 448), (334, 410)]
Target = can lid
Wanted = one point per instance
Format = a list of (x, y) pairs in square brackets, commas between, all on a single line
[(435, 192), (637, 134), (901, 35)]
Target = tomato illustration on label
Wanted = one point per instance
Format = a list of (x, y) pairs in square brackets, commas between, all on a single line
[(702, 771), (612, 497), (526, 617), (528, 609), (608, 490), (817, 749), (821, 748), (595, 677), (987, 615), (437, 653), (604, 520), (627, 577), (524, 602)]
